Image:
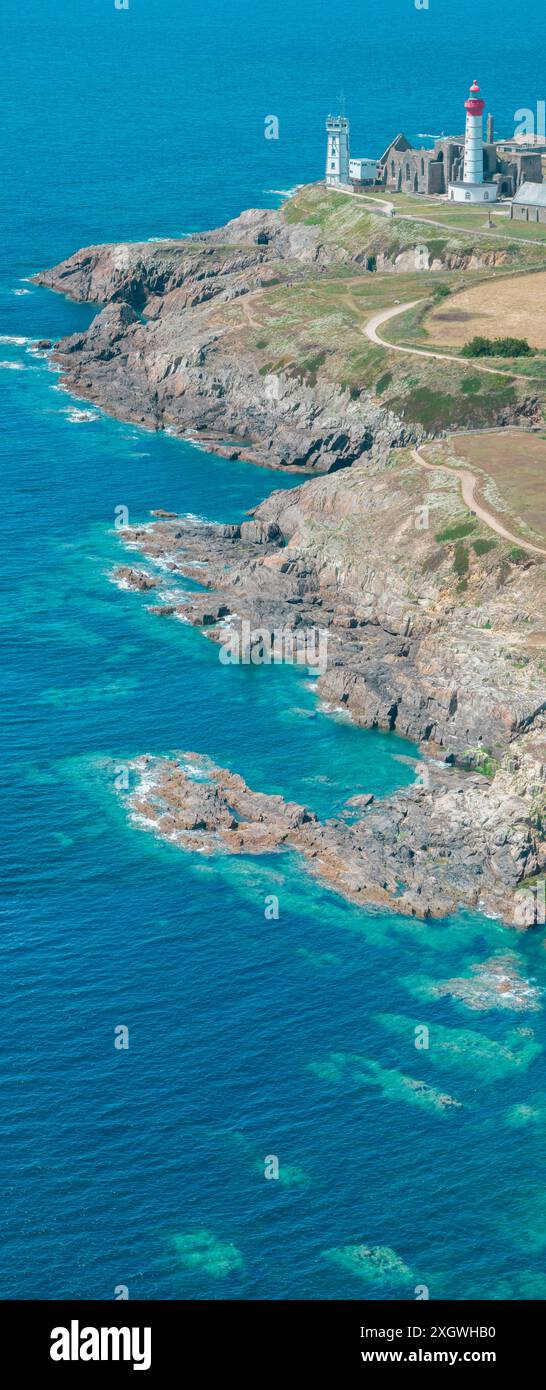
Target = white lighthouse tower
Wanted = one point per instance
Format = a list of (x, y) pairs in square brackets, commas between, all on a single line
[(472, 188), (337, 158)]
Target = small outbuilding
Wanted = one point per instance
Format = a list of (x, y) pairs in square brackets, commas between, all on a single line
[(529, 203)]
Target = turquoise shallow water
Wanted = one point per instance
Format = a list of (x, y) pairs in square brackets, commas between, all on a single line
[(248, 1037)]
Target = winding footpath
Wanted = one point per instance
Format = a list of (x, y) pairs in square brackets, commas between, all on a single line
[(467, 479), (371, 327), (468, 483), (385, 208)]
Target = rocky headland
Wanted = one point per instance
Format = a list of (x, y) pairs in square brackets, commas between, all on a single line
[(249, 339), (450, 655), (167, 350), (458, 671)]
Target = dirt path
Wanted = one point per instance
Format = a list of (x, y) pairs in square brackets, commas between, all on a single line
[(370, 329), (468, 483), (387, 209)]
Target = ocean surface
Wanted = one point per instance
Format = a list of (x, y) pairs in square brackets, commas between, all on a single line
[(250, 1040)]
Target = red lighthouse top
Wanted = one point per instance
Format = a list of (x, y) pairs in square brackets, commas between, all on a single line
[(475, 104)]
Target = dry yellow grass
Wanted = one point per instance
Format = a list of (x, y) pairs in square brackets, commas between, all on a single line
[(515, 461), (514, 308)]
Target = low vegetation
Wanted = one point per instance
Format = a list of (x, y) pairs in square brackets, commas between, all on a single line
[(497, 347), (457, 531), (510, 468), (482, 546), (311, 327)]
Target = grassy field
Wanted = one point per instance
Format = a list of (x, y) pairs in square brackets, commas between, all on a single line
[(460, 218), (514, 307), (312, 328), (351, 222), (315, 330), (511, 468)]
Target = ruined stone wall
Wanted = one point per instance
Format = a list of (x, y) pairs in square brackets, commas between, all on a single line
[(524, 212)]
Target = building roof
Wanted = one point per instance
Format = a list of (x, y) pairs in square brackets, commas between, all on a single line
[(399, 143), (532, 194)]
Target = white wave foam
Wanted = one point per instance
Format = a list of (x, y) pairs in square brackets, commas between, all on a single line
[(144, 822), (21, 292), (80, 417), (327, 707), (169, 595), (188, 439), (284, 192), (11, 338), (12, 366)]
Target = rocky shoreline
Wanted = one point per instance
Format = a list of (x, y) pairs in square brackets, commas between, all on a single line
[(203, 383), (366, 555), (403, 853), (470, 831)]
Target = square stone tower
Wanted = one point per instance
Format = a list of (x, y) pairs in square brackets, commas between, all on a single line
[(337, 158)]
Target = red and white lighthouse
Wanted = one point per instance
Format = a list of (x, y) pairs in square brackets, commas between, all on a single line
[(472, 188), (473, 143)]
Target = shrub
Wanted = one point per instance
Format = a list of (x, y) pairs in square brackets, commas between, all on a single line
[(383, 382), (498, 347), (460, 559), (481, 546), (432, 562), (441, 292), (456, 532), (482, 759), (486, 763)]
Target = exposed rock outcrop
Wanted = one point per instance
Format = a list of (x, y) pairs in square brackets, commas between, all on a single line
[(459, 671), (450, 656), (423, 852), (168, 352)]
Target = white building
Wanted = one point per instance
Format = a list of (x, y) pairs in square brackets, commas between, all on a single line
[(337, 157), (363, 170), (472, 188)]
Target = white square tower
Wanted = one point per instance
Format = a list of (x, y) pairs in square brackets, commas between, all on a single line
[(337, 158)]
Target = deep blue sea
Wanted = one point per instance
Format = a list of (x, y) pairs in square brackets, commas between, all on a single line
[(249, 1038)]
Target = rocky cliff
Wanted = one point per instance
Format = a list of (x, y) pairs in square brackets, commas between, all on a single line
[(456, 665), (166, 352), (249, 339)]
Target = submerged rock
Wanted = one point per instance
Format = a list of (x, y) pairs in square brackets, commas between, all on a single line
[(393, 1084), (204, 1253), (463, 1050), (373, 1263), (493, 984)]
